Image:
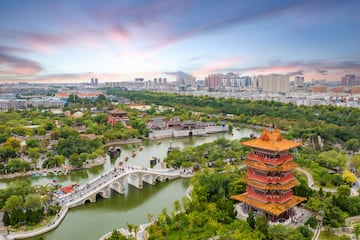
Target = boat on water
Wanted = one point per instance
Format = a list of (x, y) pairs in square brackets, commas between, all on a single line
[(126, 158), (133, 154), (154, 160), (158, 142), (141, 148), (114, 152)]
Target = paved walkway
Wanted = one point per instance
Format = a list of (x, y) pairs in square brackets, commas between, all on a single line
[(311, 181)]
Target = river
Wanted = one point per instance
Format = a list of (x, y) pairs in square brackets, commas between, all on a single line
[(93, 220)]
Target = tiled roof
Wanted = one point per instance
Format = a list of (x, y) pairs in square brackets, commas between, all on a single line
[(117, 111), (272, 208), (272, 141)]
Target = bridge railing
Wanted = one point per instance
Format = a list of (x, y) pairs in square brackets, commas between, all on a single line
[(93, 186)]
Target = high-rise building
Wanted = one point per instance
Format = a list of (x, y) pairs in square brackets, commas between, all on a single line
[(271, 83), (270, 178), (299, 81), (350, 80), (214, 81)]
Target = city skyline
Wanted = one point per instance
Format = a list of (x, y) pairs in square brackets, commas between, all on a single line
[(74, 41)]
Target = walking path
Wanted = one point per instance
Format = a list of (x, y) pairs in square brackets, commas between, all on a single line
[(311, 182)]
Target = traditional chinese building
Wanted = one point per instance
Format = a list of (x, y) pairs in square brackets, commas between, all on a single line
[(270, 179), (118, 115)]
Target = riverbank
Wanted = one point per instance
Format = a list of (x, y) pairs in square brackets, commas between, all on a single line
[(122, 142), (36, 232), (97, 162)]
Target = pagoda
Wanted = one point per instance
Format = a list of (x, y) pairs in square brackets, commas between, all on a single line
[(270, 178), (118, 115)]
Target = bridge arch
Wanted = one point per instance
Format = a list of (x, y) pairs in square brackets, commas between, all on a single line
[(159, 178), (148, 178), (118, 187), (135, 180)]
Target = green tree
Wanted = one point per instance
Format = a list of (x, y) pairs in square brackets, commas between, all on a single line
[(75, 160), (357, 231), (280, 232), (344, 190), (33, 202), (353, 145), (251, 219), (13, 206), (262, 224), (6, 218)]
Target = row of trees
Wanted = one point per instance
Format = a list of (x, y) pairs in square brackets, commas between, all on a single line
[(333, 124)]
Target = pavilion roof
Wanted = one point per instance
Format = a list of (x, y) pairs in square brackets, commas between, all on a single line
[(271, 141), (272, 208)]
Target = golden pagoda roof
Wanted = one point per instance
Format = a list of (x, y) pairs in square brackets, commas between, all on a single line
[(285, 186), (272, 208), (287, 166), (271, 141)]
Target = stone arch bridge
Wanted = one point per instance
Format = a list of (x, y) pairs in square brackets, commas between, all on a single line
[(116, 179)]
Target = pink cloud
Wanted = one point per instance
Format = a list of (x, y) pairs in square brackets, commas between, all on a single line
[(219, 65), (14, 65)]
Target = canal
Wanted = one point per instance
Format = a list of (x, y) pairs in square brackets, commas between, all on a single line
[(93, 220)]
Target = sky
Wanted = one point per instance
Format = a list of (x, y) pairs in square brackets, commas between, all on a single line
[(76, 40)]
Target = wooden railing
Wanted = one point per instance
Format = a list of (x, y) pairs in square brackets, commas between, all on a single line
[(273, 161), (269, 179), (270, 198)]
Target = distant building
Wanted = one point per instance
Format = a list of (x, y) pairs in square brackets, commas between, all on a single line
[(94, 82), (299, 81), (214, 81), (46, 102), (354, 90), (275, 83), (350, 80), (6, 104), (339, 89), (319, 89)]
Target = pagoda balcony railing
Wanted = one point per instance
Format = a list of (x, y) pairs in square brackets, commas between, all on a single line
[(271, 198), (270, 179), (273, 161)]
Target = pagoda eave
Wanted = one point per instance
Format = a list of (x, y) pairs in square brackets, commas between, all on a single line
[(287, 166), (271, 208), (282, 187)]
